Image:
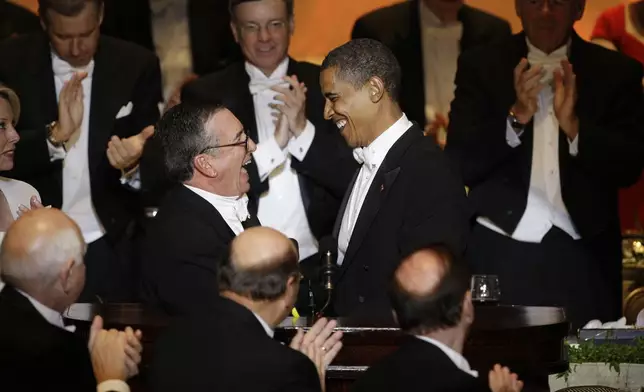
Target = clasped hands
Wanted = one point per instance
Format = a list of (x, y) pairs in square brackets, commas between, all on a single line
[(290, 114), (115, 355), (528, 85)]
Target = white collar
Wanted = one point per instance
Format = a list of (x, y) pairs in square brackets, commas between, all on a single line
[(256, 74), (376, 152), (429, 19), (63, 68), (225, 205), (52, 316), (267, 328), (559, 53), (457, 358)]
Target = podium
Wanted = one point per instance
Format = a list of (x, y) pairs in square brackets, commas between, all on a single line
[(529, 340)]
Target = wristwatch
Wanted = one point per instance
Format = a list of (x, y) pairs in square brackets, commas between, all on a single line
[(515, 123), (50, 135)]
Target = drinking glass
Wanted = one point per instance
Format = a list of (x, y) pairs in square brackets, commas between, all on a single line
[(485, 289)]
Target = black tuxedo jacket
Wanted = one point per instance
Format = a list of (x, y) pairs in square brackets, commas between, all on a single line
[(211, 41), (181, 252), (38, 356), (16, 20), (398, 27), (609, 108), (227, 349), (230, 86), (415, 200), (123, 73), (417, 366)]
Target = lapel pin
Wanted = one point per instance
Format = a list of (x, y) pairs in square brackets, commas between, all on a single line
[(382, 187)]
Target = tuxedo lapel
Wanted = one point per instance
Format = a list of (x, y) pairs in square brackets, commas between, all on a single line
[(378, 192)]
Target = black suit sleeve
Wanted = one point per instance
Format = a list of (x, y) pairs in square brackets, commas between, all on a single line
[(301, 374), (147, 96), (329, 163), (476, 139)]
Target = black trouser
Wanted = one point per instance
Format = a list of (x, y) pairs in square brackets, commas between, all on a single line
[(575, 274), (110, 274)]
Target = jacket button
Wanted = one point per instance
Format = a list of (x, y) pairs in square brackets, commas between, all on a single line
[(365, 267), (509, 212), (360, 299)]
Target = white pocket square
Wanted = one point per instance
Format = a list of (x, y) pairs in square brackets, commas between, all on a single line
[(125, 110)]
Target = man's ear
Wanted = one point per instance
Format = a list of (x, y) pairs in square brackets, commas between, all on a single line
[(65, 275), (101, 12), (376, 89), (233, 28), (204, 166)]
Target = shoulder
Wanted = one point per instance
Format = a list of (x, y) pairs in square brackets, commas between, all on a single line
[(489, 55), (18, 190), (117, 48), (217, 84), (614, 63), (485, 18), (613, 13), (306, 70), (380, 17)]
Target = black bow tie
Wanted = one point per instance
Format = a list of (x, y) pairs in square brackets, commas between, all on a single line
[(251, 221)]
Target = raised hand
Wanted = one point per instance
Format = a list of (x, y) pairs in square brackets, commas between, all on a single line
[(527, 85), (565, 99), (34, 204), (293, 104), (70, 108), (125, 153), (502, 380)]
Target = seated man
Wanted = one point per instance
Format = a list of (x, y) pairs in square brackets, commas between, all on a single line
[(205, 149), (431, 301), (232, 348), (42, 264)]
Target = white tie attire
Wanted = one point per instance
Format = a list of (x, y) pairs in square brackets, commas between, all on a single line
[(440, 51), (457, 358), (281, 207), (545, 207), (77, 198), (233, 209), (371, 157)]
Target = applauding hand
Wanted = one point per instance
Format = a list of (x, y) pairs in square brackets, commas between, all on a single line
[(124, 154), (565, 100), (294, 104)]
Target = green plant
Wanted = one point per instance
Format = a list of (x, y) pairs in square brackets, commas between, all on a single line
[(610, 353)]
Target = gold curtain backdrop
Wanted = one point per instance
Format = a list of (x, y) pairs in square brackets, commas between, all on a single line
[(322, 25)]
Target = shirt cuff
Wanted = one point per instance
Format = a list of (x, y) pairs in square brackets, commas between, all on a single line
[(132, 178), (113, 386), (268, 156), (573, 146), (511, 136), (299, 146), (55, 153)]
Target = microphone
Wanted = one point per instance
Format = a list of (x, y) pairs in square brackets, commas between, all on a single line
[(328, 257)]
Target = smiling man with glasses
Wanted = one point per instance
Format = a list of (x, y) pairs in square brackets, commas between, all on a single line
[(546, 128), (205, 151)]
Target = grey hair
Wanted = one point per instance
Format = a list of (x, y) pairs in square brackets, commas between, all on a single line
[(44, 259)]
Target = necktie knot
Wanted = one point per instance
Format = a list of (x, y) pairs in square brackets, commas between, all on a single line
[(363, 156), (241, 208)]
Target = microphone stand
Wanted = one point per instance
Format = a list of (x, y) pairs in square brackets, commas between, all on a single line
[(328, 285)]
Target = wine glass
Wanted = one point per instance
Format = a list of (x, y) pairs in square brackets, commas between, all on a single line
[(485, 289)]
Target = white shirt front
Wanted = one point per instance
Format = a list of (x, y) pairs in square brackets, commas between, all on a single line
[(374, 155), (171, 32), (545, 207), (441, 48), (281, 207), (77, 194), (458, 359), (234, 209)]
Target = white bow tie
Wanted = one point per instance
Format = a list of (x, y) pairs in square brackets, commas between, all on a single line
[(362, 155), (257, 86), (241, 208), (549, 62), (63, 69)]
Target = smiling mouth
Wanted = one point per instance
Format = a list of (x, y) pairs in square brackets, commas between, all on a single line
[(341, 124)]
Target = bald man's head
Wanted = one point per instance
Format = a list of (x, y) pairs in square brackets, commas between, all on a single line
[(40, 247), (260, 263), (428, 289)]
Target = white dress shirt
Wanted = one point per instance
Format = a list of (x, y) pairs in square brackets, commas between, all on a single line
[(267, 328), (281, 207), (458, 359), (441, 48), (56, 319), (77, 195), (371, 158), (171, 33), (233, 209), (545, 207)]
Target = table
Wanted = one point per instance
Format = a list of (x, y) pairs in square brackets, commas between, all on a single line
[(530, 340)]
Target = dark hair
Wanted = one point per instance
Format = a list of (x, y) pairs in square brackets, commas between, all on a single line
[(437, 309), (232, 4), (360, 59), (265, 283), (65, 7), (181, 135)]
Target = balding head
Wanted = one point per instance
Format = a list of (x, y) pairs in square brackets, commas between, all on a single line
[(428, 291), (42, 255)]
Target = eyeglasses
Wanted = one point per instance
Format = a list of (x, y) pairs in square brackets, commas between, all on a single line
[(254, 28), (242, 143), (539, 3)]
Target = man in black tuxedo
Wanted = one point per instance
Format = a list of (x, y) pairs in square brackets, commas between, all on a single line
[(16, 20), (42, 263), (546, 127), (431, 299), (82, 95), (231, 347), (403, 197), (257, 91), (205, 151), (427, 36)]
